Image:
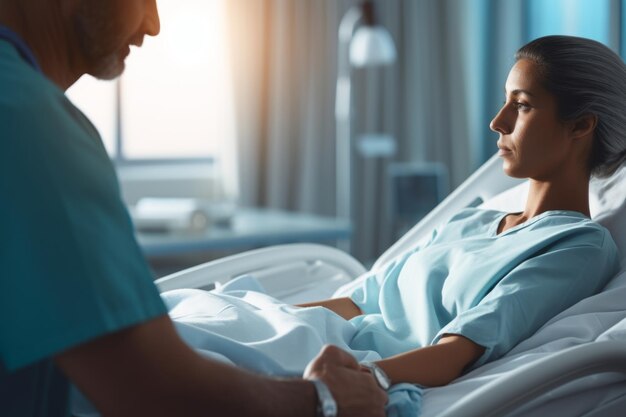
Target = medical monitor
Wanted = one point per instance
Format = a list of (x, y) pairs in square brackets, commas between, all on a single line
[(415, 189)]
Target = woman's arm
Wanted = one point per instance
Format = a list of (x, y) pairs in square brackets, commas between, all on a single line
[(344, 307), (434, 365)]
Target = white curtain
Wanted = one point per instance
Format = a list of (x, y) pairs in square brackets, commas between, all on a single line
[(284, 65), (432, 101)]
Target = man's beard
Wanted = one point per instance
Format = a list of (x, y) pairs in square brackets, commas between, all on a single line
[(108, 67), (94, 28)]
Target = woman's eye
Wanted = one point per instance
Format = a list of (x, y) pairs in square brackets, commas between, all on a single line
[(521, 106)]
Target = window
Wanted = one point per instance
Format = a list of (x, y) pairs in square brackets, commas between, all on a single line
[(588, 19), (175, 99)]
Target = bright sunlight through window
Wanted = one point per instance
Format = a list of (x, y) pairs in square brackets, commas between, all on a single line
[(176, 94)]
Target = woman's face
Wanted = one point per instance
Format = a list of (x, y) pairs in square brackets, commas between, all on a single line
[(533, 142)]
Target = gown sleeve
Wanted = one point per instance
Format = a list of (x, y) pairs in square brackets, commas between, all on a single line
[(532, 293)]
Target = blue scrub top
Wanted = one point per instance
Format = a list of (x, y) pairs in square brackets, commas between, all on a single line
[(495, 289), (71, 269)]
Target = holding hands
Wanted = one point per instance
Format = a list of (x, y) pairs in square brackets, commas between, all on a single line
[(353, 389)]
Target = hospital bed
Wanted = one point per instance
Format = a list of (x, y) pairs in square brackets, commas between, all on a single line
[(574, 365)]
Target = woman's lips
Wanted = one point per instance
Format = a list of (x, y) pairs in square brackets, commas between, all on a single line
[(502, 150)]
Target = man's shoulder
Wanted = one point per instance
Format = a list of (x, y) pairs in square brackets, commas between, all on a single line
[(26, 94), (32, 106), (24, 89)]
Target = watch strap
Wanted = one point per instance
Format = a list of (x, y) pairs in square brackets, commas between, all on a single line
[(326, 404), (379, 375)]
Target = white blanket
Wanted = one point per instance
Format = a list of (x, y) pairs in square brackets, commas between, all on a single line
[(252, 330)]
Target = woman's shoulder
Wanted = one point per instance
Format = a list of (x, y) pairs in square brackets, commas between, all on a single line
[(562, 230), (575, 226)]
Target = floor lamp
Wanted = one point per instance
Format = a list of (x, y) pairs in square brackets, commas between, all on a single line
[(362, 43)]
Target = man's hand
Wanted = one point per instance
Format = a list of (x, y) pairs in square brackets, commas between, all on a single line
[(355, 391)]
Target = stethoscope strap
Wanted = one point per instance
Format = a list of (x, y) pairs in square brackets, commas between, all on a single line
[(19, 44)]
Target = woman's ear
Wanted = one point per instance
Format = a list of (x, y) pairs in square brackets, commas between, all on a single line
[(584, 126)]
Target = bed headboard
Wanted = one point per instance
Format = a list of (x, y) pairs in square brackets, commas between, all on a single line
[(488, 181), (490, 186)]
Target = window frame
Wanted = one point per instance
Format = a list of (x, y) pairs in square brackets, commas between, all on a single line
[(120, 160)]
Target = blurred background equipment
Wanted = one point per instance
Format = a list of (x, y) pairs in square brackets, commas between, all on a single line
[(415, 189), (362, 42), (179, 215)]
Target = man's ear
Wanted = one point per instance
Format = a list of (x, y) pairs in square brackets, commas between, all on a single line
[(583, 126)]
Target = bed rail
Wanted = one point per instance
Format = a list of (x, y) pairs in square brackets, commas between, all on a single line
[(224, 269)]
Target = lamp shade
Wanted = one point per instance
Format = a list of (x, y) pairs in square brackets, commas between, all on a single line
[(371, 46)]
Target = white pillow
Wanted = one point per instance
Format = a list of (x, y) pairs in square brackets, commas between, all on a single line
[(510, 201), (607, 201)]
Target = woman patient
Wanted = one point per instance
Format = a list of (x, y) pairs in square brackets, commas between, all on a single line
[(486, 280)]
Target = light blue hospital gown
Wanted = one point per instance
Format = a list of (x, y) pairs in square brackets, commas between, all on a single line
[(494, 289), (464, 279)]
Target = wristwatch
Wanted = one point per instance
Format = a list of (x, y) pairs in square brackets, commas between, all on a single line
[(379, 375), (326, 404)]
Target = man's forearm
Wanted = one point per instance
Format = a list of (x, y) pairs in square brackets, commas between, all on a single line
[(244, 394), (290, 398), (148, 370)]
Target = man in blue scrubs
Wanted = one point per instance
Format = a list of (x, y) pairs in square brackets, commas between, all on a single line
[(77, 302)]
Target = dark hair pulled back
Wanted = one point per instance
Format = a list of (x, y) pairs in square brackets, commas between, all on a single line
[(586, 77)]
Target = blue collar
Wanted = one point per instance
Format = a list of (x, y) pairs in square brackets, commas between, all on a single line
[(19, 44)]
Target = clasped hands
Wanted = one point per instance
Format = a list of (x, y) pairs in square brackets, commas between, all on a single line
[(354, 388)]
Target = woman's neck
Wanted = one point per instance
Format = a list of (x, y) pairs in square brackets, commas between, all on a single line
[(568, 191), (570, 194)]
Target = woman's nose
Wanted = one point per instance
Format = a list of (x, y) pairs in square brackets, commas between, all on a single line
[(499, 123)]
